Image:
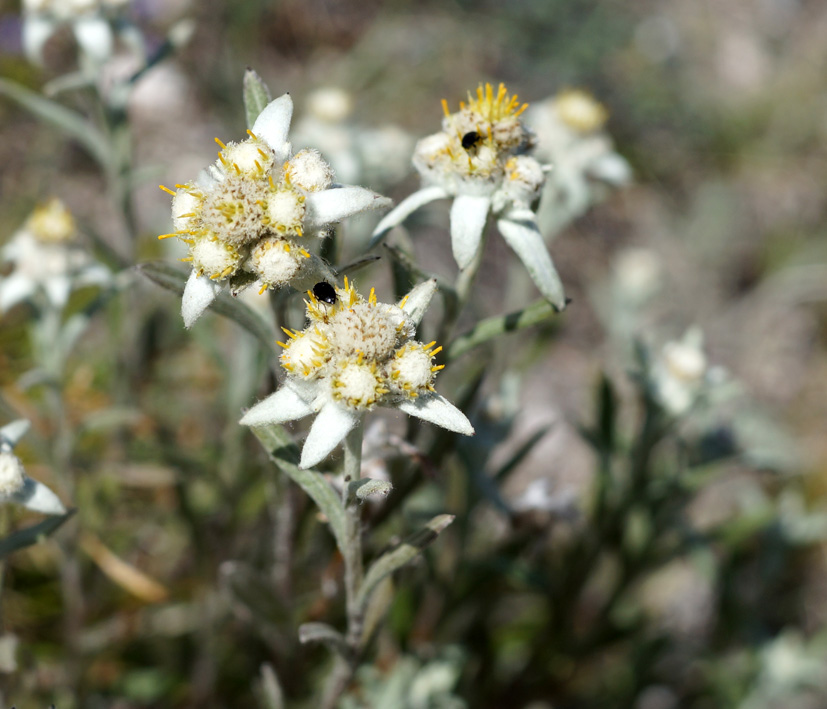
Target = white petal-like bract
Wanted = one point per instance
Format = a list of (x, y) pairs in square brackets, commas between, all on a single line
[(36, 496), (521, 233), (94, 35), (418, 300), (333, 205), (405, 208), (12, 432), (329, 429), (273, 124), (468, 216), (199, 292), (284, 405), (438, 410)]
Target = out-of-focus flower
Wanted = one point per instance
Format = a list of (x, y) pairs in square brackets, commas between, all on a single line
[(377, 156), (15, 485), (248, 217), (680, 372), (539, 496), (479, 160), (570, 136), (353, 356), (46, 255), (91, 22)]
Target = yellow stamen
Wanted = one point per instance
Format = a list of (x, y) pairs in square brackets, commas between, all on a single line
[(223, 147), (251, 134), (445, 108), (167, 190), (437, 367), (289, 333), (428, 346), (186, 258), (403, 301), (372, 296), (282, 344), (167, 236), (435, 352), (262, 289)]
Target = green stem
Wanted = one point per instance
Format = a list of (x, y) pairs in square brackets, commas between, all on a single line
[(343, 669), (352, 552)]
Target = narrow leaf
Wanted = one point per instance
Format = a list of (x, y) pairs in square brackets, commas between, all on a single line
[(285, 454), (508, 467), (70, 122), (389, 562), (490, 328), (323, 633), (31, 535), (256, 96), (174, 278)]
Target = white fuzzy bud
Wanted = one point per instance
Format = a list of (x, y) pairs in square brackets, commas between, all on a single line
[(309, 171), (214, 258), (275, 262)]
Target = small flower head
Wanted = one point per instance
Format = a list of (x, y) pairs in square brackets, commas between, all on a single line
[(580, 111), (680, 372), (254, 211), (480, 160), (361, 349), (356, 354), (15, 485), (47, 257), (52, 223), (476, 142)]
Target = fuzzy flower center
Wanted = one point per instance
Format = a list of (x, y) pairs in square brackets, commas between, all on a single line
[(359, 350), (580, 111), (52, 223), (247, 212), (470, 154)]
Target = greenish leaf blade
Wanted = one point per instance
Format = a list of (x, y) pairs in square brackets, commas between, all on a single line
[(285, 454), (173, 278), (70, 122), (389, 562), (511, 464), (256, 96), (32, 535), (490, 328)]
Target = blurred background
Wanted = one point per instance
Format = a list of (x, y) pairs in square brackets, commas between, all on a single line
[(720, 109)]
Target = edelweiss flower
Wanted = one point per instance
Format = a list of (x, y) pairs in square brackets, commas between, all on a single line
[(91, 22), (354, 355), (570, 136), (478, 160), (15, 485), (46, 255), (680, 373), (249, 216)]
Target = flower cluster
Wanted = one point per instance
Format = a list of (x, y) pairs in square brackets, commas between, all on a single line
[(46, 255), (249, 216), (15, 485), (571, 136), (90, 20), (356, 354), (479, 158), (680, 373)]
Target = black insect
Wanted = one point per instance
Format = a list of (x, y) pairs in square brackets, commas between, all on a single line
[(469, 140), (325, 292)]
